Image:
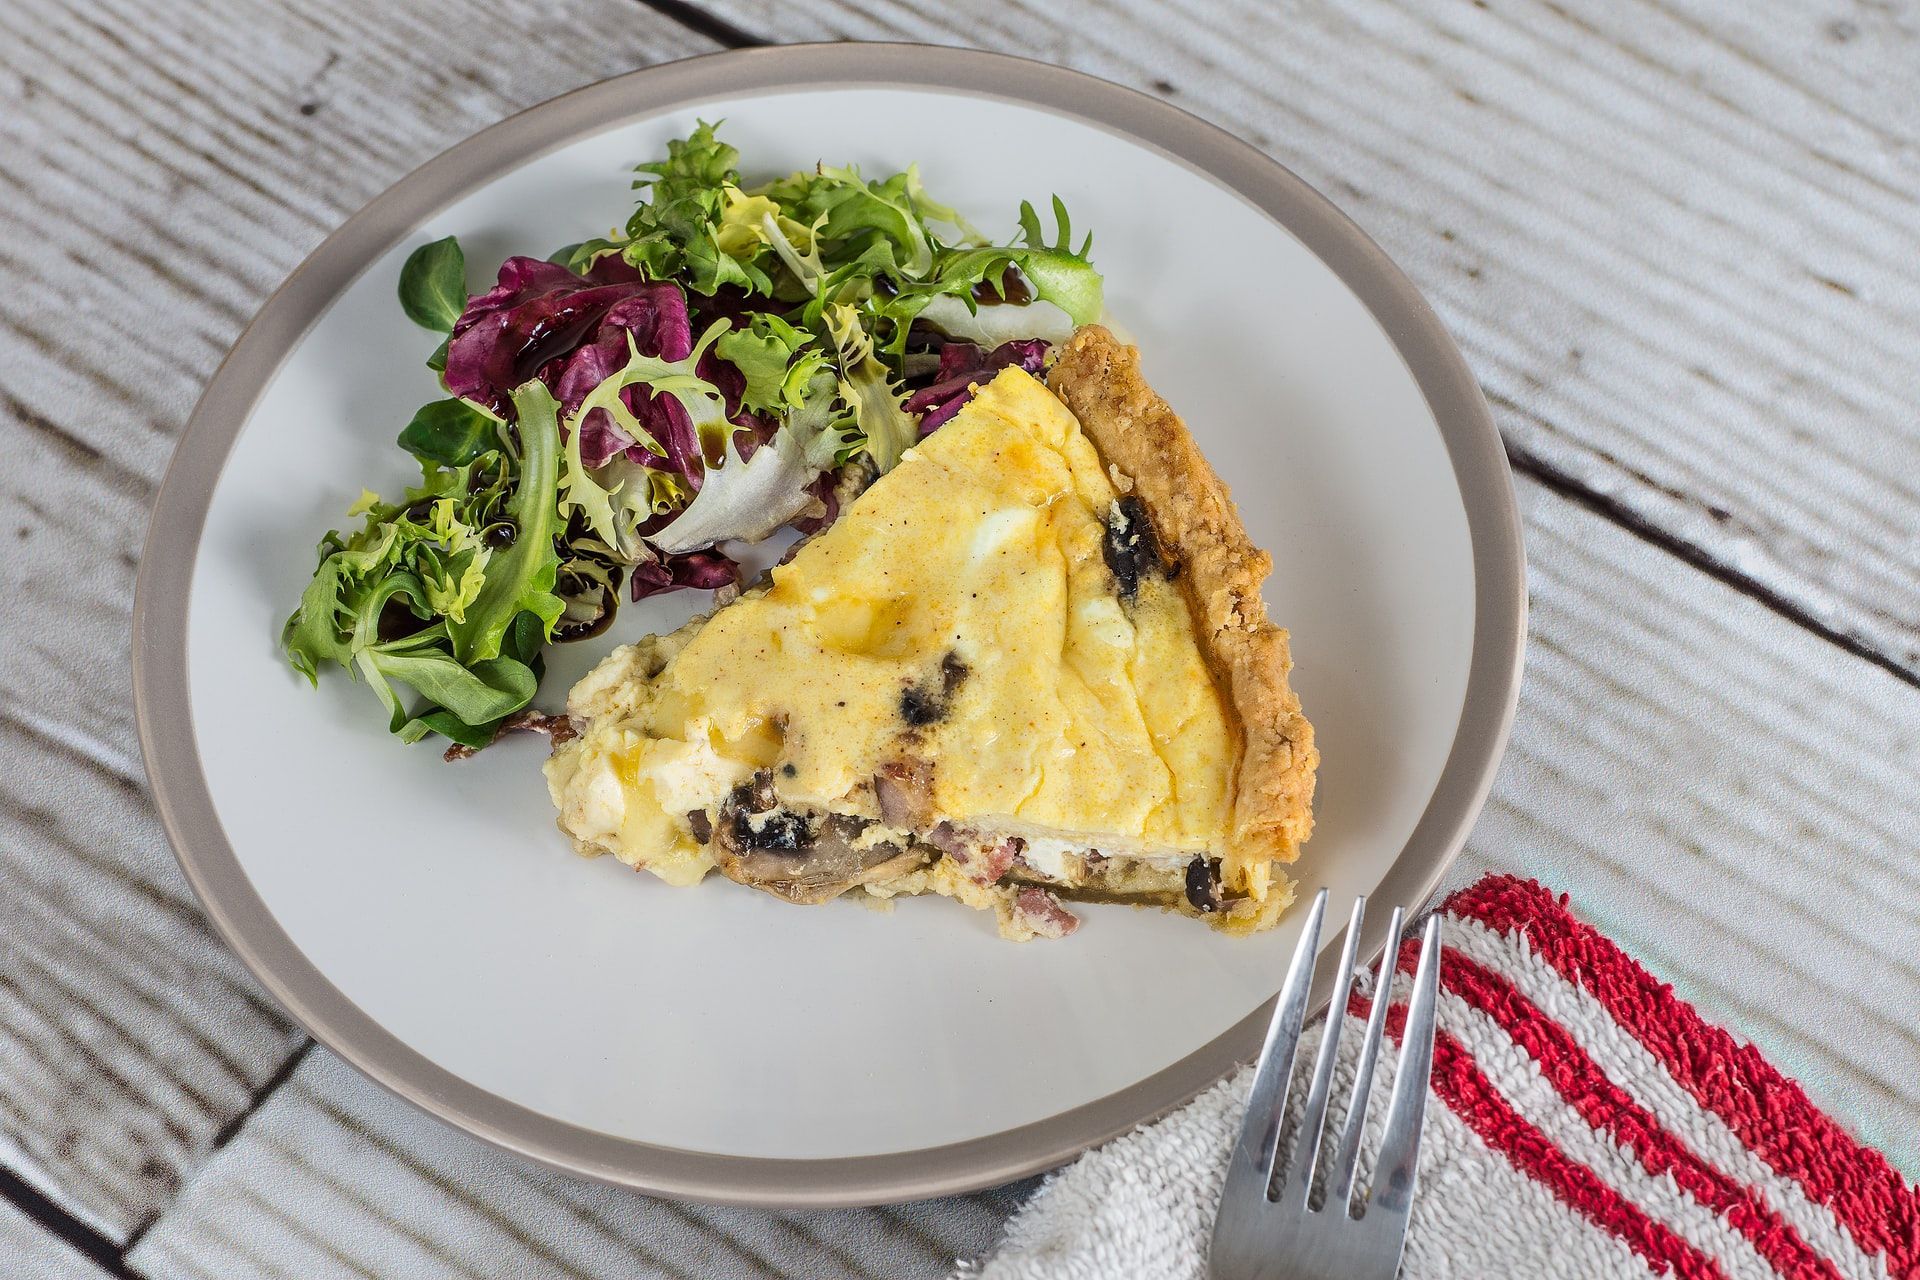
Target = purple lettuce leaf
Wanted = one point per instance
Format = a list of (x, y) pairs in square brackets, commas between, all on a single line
[(707, 570), (539, 314), (571, 332), (963, 366), (541, 320), (823, 488)]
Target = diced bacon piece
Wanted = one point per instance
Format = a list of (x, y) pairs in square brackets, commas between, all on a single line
[(992, 861), (1040, 911), (984, 859)]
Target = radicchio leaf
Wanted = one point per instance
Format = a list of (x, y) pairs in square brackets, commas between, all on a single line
[(708, 570), (964, 366), (572, 331)]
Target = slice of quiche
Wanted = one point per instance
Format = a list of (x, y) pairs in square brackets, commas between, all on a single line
[(1030, 663)]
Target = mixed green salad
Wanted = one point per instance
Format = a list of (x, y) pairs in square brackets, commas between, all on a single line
[(736, 360)]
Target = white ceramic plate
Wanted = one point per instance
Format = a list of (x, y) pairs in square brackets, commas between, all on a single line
[(428, 921)]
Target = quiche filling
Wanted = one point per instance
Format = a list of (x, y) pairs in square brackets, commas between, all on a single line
[(987, 679)]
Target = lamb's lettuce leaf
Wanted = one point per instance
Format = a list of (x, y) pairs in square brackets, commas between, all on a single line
[(450, 433), (448, 592), (433, 284)]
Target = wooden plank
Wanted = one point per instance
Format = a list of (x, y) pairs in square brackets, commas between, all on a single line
[(1725, 793), (130, 1038), (161, 169), (1732, 800), (335, 1178), (32, 1253), (1675, 238)]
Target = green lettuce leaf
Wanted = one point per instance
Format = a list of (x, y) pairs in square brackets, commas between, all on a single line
[(867, 386), (433, 285), (776, 360), (676, 232), (522, 576), (450, 433), (1060, 273)]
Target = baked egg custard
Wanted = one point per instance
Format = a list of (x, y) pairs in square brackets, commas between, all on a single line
[(1028, 664)]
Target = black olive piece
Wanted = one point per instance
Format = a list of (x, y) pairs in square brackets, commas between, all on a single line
[(778, 831), (1130, 547), (918, 707), (500, 536), (1203, 884), (922, 705), (700, 824)]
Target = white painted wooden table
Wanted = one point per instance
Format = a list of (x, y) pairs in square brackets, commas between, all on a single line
[(1678, 239)]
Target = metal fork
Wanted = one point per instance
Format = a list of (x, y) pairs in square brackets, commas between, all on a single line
[(1268, 1228)]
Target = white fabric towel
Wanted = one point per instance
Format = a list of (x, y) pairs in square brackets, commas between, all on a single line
[(1584, 1122)]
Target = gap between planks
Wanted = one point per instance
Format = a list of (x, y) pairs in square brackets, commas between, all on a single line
[(63, 1226), (1617, 512), (700, 22), (90, 1243)]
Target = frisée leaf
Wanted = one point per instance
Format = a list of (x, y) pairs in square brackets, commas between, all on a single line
[(867, 387), (748, 498), (1060, 273)]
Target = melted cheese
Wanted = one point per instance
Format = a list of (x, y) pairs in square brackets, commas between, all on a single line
[(1077, 716)]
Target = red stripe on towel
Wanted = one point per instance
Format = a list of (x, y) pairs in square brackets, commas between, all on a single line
[(1769, 1113), (1459, 1082), (1611, 1111)]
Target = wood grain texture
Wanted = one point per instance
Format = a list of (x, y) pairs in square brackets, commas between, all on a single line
[(128, 1037), (1730, 798), (161, 169), (332, 1178), (1677, 239), (31, 1253)]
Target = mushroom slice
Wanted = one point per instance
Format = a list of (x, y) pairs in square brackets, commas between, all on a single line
[(798, 857)]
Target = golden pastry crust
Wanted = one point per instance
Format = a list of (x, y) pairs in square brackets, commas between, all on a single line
[(1098, 377)]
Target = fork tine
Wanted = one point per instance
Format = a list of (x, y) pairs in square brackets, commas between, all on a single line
[(1313, 1116), (1252, 1167), (1393, 1182), (1346, 1158)]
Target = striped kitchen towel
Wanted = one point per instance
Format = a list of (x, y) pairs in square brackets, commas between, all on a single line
[(1585, 1122)]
